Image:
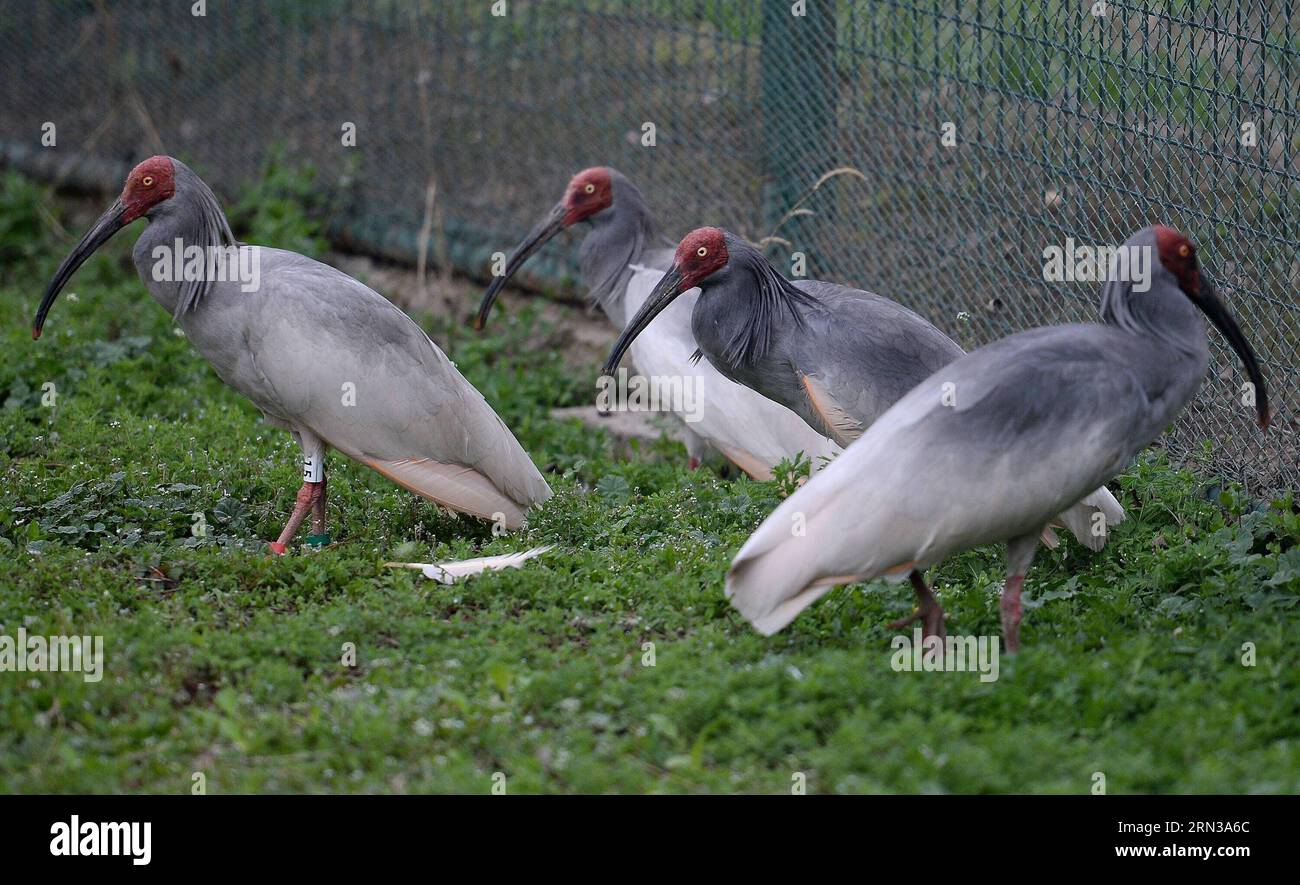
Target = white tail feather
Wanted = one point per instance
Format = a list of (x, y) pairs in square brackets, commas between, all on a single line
[(448, 572)]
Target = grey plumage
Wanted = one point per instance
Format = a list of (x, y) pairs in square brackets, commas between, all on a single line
[(322, 355), (622, 262), (1039, 419), (768, 333), (838, 357), (622, 235), (202, 223)]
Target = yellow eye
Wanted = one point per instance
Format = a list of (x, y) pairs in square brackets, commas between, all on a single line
[(147, 181), (590, 188), (1184, 250), (701, 251)]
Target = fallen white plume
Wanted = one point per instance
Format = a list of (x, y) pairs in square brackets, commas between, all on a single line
[(448, 572)]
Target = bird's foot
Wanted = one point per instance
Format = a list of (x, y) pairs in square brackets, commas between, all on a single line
[(316, 541), (932, 619), (307, 498)]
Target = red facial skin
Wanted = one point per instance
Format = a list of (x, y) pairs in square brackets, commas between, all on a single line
[(590, 191), (1178, 255), (149, 184), (695, 266)]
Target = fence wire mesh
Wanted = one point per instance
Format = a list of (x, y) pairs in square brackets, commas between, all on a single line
[(1068, 120)]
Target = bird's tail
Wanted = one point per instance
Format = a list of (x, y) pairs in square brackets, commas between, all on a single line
[(455, 487), (771, 588), (450, 572), (767, 596), (778, 573), (1090, 520)]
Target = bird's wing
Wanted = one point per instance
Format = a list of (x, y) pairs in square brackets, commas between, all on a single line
[(347, 364), (842, 426), (990, 447), (751, 430), (898, 348), (864, 353)]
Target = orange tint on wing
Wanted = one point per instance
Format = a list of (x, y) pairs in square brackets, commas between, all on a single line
[(843, 427)]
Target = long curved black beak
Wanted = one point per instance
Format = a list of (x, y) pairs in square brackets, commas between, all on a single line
[(1207, 299), (548, 227), (670, 286), (108, 224)]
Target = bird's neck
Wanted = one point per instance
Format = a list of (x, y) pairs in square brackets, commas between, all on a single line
[(619, 236), (745, 312), (185, 251), (1163, 314)]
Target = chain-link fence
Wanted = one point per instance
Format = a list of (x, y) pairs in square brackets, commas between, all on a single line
[(984, 132)]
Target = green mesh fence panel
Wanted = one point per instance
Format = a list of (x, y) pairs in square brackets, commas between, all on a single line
[(1067, 124)]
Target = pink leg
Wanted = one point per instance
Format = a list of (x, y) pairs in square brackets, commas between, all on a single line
[(693, 463), (318, 510), (1011, 613), (303, 502)]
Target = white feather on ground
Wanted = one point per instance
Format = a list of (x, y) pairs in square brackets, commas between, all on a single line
[(448, 572)]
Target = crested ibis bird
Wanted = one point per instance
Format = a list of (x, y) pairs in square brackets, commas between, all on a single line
[(322, 355), (838, 357), (622, 260), (988, 448)]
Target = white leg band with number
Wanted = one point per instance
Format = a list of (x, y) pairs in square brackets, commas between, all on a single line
[(313, 469)]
